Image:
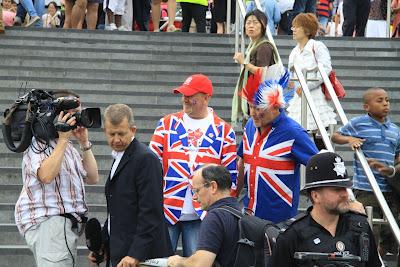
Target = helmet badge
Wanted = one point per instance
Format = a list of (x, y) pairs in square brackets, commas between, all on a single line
[(340, 169)]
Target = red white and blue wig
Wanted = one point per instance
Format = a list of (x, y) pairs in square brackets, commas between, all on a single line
[(268, 93)]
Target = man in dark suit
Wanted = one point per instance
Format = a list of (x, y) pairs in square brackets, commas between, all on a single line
[(135, 228)]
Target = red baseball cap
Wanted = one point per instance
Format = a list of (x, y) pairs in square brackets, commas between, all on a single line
[(197, 83)]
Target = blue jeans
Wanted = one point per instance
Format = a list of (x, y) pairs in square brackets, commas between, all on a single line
[(189, 231), (21, 12), (34, 9), (323, 20)]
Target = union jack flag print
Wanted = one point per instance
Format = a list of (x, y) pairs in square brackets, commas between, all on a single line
[(171, 143), (271, 167)]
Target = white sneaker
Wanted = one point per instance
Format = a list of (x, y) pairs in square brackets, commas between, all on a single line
[(122, 28), (111, 27), (32, 21)]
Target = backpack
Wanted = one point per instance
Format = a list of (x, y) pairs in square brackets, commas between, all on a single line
[(256, 239)]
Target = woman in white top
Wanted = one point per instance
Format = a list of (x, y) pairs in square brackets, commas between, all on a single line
[(306, 54), (51, 19)]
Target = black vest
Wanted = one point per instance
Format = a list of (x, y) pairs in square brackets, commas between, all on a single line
[(351, 238)]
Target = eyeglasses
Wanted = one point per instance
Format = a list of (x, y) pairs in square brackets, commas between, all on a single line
[(254, 22), (197, 190)]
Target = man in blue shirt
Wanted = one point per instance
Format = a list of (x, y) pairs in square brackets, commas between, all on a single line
[(219, 231), (272, 149), (379, 139)]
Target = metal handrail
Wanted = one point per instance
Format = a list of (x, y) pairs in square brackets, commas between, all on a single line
[(328, 144)]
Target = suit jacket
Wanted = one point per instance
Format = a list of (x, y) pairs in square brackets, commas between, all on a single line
[(135, 205)]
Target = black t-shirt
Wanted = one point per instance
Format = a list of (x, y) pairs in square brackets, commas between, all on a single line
[(320, 240), (219, 232)]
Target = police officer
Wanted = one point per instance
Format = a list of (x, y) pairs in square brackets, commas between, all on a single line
[(328, 226)]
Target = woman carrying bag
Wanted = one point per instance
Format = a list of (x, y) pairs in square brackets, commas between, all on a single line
[(307, 54), (259, 53)]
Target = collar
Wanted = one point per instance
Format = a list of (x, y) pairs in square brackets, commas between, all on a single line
[(386, 123), (209, 115), (277, 120), (313, 222), (119, 154), (229, 201), (308, 47)]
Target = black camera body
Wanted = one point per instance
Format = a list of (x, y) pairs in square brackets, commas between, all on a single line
[(87, 118), (36, 114)]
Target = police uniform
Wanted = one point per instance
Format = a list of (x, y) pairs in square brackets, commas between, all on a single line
[(353, 235)]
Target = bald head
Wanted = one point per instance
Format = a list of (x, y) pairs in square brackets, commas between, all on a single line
[(371, 94)]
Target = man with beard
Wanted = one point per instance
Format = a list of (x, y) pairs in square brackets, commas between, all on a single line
[(328, 226)]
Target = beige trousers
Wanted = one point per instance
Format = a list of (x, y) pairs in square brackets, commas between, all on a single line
[(48, 242)]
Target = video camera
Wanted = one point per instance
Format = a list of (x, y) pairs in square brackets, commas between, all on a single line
[(36, 114)]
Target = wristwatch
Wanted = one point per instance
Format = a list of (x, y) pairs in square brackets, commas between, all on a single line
[(86, 148)]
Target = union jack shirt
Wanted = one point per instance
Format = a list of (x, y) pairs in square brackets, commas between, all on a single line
[(272, 167), (171, 143)]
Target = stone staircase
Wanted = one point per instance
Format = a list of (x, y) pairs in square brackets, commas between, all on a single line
[(141, 69)]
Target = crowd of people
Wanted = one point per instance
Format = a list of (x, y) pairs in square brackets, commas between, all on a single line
[(175, 187), (335, 17), (179, 185)]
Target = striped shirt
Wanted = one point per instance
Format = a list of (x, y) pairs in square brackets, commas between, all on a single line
[(382, 142), (65, 194), (323, 8)]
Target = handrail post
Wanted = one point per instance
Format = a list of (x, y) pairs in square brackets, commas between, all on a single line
[(237, 26), (369, 210), (313, 108), (228, 16), (388, 13)]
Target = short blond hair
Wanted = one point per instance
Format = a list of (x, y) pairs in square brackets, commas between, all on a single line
[(116, 113)]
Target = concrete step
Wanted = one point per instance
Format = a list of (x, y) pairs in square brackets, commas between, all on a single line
[(33, 81), (29, 75), (93, 54), (173, 38), (122, 46), (131, 65), (20, 255), (108, 76), (117, 55), (120, 37), (19, 61), (179, 37)]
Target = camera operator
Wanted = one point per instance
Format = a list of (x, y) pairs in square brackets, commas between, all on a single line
[(51, 208), (328, 226)]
